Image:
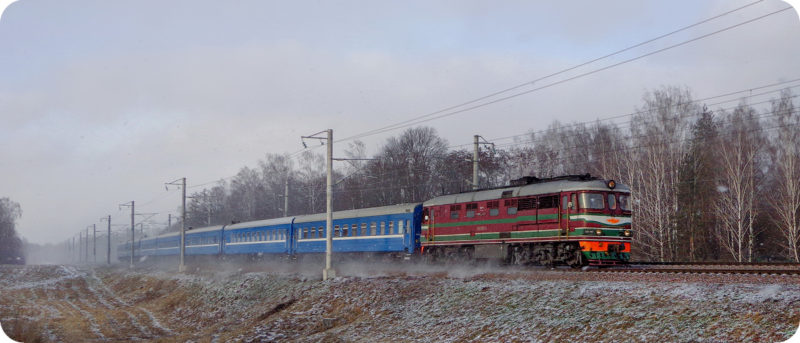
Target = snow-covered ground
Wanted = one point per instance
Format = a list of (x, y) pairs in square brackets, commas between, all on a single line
[(385, 303)]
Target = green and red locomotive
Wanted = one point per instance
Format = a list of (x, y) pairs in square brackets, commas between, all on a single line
[(575, 220)]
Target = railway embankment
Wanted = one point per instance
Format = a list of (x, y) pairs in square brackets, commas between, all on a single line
[(433, 304)]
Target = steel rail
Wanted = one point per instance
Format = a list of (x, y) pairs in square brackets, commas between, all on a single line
[(700, 271), (716, 263)]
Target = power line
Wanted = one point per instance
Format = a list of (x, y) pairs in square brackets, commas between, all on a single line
[(640, 112), (444, 113), (441, 113), (451, 110), (532, 141)]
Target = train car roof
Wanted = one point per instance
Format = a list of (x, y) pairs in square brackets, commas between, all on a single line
[(203, 229), (169, 234), (260, 223), (526, 190), (362, 212)]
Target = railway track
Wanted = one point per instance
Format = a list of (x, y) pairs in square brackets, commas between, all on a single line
[(744, 264), (700, 271), (753, 268)]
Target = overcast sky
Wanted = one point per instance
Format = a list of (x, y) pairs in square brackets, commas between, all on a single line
[(102, 102)]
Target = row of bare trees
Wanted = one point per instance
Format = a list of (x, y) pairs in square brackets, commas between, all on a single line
[(11, 248), (708, 185)]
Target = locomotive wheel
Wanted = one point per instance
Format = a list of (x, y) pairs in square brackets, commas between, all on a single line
[(578, 260)]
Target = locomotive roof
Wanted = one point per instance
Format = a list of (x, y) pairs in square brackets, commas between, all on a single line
[(519, 191), (363, 212)]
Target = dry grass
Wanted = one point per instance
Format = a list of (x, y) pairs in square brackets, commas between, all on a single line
[(399, 307), (24, 330)]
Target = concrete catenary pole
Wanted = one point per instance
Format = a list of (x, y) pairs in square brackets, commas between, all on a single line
[(80, 246), (182, 267), (475, 165), (329, 273), (133, 231), (208, 208), (108, 246), (94, 243), (86, 259), (286, 197)]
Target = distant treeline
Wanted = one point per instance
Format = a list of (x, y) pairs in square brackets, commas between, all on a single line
[(11, 249), (721, 184)]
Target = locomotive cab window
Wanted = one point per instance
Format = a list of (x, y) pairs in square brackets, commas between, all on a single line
[(612, 202), (624, 202), (591, 201)]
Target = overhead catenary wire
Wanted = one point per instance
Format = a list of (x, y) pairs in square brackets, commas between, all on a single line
[(688, 115), (630, 114), (355, 172), (450, 111), (444, 112)]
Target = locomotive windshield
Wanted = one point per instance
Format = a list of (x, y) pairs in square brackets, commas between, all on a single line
[(591, 201), (624, 202)]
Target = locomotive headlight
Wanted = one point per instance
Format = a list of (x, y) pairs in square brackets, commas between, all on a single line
[(598, 232), (627, 233)]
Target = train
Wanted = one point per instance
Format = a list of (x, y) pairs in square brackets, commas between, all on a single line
[(574, 220)]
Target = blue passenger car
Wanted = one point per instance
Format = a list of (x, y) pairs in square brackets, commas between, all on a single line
[(269, 236), (203, 241), (168, 244), (388, 229)]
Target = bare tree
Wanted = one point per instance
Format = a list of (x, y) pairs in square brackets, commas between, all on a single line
[(740, 145), (785, 199), (410, 161), (276, 171), (311, 177), (697, 191), (248, 198), (658, 131), (10, 244)]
